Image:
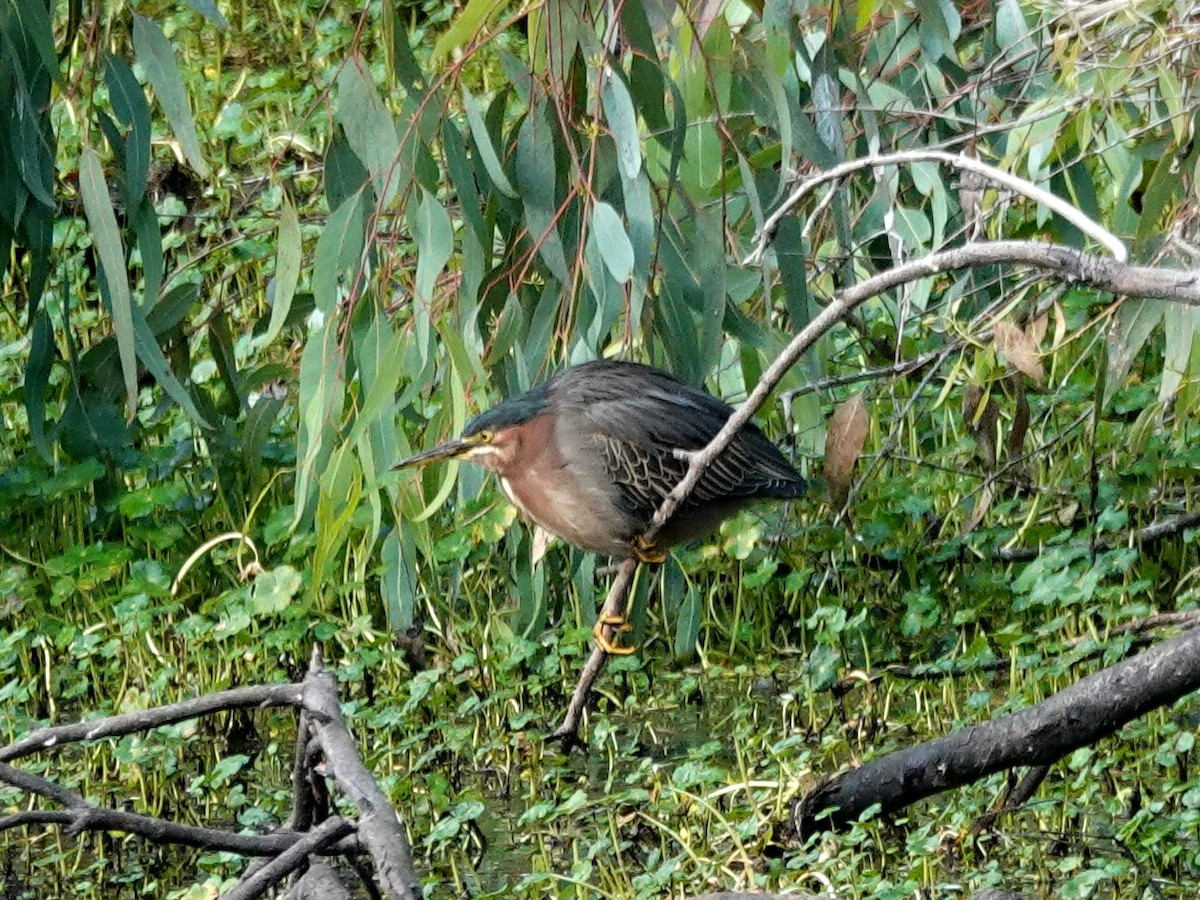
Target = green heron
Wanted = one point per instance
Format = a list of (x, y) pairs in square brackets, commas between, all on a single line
[(590, 454)]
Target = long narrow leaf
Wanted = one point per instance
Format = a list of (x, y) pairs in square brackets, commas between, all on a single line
[(157, 59), (98, 209), (287, 270), (370, 130)]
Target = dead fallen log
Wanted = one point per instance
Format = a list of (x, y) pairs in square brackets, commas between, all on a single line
[(1093, 708)]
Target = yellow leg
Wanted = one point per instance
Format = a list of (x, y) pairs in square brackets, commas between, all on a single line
[(619, 626), (647, 551)]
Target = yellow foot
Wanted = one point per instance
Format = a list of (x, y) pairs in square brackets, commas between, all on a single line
[(619, 627), (646, 551)]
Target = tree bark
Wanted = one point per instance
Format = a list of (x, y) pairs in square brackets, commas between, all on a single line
[(1085, 712)]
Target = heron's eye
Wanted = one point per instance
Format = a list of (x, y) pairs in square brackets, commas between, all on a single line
[(484, 437)]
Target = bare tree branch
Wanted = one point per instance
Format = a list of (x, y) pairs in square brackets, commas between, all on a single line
[(1094, 707), (614, 604), (130, 723), (76, 819), (379, 826), (290, 860), (959, 161)]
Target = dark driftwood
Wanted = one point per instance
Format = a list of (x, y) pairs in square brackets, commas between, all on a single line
[(290, 860), (255, 697), (322, 736), (1180, 619), (1092, 708), (319, 883), (379, 826)]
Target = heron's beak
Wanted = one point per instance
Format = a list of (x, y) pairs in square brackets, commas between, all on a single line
[(448, 450)]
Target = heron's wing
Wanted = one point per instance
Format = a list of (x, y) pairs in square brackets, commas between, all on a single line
[(642, 433)]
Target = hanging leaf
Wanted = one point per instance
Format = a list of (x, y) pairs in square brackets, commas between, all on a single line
[(537, 178), (983, 502), (157, 58), (208, 9), (370, 130), (434, 236), (37, 378), (1035, 331), (1019, 349), (1020, 423), (287, 269), (98, 208), (129, 103), (844, 440), (622, 121), (981, 416), (338, 248), (483, 143), (1179, 324), (687, 623), (144, 221), (1135, 322), (464, 29), (613, 242)]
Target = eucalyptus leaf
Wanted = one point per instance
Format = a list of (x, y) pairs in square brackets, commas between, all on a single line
[(157, 59), (612, 242), (96, 205), (622, 121), (370, 130), (287, 269)]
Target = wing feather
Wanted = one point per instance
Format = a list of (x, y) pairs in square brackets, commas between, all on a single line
[(643, 416)]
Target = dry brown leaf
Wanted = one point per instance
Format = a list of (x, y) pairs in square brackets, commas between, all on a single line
[(981, 422), (982, 505), (844, 441), (1036, 330), (1016, 346), (1020, 425), (1060, 326)]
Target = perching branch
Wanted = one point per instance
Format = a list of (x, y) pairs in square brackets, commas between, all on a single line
[(1180, 286), (613, 605)]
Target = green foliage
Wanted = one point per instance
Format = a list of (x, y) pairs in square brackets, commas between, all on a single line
[(246, 265)]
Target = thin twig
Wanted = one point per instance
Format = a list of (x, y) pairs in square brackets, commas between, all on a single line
[(959, 161), (82, 816), (1151, 533)]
